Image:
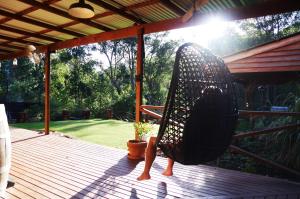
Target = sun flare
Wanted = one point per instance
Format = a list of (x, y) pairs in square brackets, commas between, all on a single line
[(202, 34)]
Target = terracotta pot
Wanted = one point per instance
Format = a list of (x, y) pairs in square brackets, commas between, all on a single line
[(136, 149)]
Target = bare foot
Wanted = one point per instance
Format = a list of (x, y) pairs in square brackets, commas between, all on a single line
[(144, 176), (167, 172)]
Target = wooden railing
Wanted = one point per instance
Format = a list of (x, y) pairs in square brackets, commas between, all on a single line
[(147, 109)]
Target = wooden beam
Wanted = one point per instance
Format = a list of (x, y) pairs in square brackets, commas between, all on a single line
[(265, 131), (264, 8), (28, 10), (153, 107), (12, 46), (38, 23), (165, 25), (196, 6), (118, 11), (151, 113), (267, 113), (263, 160), (47, 92), (141, 4), (128, 8), (173, 7), (29, 34), (6, 51), (65, 14), (270, 7), (118, 34), (139, 78), (148, 28), (131, 7), (19, 40)]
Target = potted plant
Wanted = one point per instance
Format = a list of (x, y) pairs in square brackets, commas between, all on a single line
[(136, 148)]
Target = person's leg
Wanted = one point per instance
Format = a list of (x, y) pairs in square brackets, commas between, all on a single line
[(150, 156), (169, 170)]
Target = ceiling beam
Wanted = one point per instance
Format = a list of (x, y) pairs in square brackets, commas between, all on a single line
[(240, 13), (6, 51), (132, 12), (26, 11), (38, 23), (29, 34), (128, 8), (12, 46), (65, 14), (141, 5), (173, 7), (12, 39), (131, 7), (270, 7), (117, 11), (196, 6)]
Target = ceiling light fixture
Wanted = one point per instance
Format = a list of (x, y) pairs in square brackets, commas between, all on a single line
[(81, 10), (15, 62), (31, 48)]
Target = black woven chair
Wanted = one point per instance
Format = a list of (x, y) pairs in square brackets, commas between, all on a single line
[(201, 111)]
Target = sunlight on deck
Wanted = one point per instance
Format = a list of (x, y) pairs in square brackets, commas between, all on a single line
[(57, 167)]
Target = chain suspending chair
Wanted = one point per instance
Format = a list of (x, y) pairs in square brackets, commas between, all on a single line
[(201, 110)]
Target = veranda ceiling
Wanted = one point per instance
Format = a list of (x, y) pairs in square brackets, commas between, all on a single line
[(46, 23)]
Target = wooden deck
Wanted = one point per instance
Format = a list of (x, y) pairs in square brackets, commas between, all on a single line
[(58, 167)]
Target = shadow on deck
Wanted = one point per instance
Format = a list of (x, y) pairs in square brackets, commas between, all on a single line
[(58, 167)]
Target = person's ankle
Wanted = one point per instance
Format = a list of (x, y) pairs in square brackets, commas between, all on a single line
[(144, 176), (167, 172)]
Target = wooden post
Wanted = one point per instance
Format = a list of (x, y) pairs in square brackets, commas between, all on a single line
[(139, 77), (47, 92)]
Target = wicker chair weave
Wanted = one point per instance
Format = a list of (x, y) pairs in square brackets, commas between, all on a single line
[(201, 111)]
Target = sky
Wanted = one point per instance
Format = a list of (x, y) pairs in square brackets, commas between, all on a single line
[(201, 34)]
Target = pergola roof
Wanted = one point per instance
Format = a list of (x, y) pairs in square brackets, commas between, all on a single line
[(281, 55), (46, 23)]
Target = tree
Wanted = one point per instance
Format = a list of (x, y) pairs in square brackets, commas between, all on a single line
[(159, 61), (267, 28)]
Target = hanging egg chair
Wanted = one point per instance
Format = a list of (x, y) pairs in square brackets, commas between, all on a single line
[(201, 110)]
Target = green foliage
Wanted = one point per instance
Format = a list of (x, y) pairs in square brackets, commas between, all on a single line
[(281, 147), (255, 31), (142, 129), (159, 61)]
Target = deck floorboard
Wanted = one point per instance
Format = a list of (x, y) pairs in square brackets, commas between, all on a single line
[(57, 167)]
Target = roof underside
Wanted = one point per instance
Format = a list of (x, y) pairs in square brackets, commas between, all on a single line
[(47, 23)]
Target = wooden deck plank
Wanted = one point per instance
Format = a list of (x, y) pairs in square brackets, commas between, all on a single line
[(93, 164), (233, 188), (57, 167), (78, 173)]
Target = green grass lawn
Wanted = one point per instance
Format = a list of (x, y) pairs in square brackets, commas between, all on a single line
[(112, 133)]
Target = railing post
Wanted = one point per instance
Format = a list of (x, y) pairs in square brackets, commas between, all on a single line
[(139, 76), (47, 91)]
